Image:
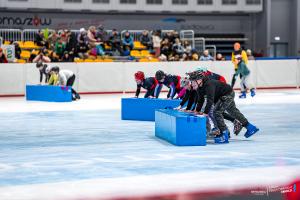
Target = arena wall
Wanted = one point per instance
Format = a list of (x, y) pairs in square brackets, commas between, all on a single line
[(118, 77)]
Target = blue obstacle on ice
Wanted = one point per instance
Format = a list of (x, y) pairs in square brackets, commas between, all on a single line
[(179, 128), (48, 93), (143, 109)]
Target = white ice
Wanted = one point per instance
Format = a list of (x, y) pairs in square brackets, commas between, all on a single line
[(83, 150)]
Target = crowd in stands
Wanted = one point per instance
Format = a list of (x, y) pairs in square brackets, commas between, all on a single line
[(96, 43)]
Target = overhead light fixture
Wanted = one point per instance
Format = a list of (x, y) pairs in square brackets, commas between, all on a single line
[(277, 38)]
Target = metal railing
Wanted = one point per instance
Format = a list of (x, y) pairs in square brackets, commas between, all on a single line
[(199, 44), (11, 34), (188, 35), (212, 49), (136, 34)]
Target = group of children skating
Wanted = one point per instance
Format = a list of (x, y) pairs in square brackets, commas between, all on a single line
[(204, 93), (56, 76)]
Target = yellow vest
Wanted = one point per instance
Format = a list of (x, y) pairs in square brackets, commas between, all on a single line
[(244, 58), (53, 80)]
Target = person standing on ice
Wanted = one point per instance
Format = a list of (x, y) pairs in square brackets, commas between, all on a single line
[(221, 95), (238, 51), (66, 78), (171, 81), (148, 84), (244, 73)]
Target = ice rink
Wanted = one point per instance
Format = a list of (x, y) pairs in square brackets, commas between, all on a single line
[(84, 150)]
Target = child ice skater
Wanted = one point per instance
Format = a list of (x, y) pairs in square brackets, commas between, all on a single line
[(148, 84), (244, 73), (66, 78), (212, 92), (170, 81)]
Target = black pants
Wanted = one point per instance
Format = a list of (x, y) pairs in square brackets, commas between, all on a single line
[(70, 82), (227, 104)]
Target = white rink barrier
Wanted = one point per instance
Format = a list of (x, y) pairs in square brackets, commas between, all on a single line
[(118, 77)]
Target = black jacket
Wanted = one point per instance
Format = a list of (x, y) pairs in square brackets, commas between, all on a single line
[(148, 84), (210, 93)]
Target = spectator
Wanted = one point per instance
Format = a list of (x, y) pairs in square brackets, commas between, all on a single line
[(52, 39), (18, 50), (166, 48), (220, 57), (145, 39), (64, 36), (126, 51), (54, 57), (39, 39), (3, 58), (41, 57), (71, 44), (82, 36), (115, 42), (91, 35), (156, 43), (170, 36), (184, 57), (206, 56), (102, 35), (177, 48), (187, 47), (82, 50), (127, 41), (60, 47), (67, 58), (195, 55), (249, 54)]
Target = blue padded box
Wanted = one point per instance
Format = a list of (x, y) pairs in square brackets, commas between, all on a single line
[(143, 109), (48, 93), (179, 128)]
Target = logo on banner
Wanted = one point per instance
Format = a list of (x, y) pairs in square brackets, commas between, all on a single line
[(28, 21)]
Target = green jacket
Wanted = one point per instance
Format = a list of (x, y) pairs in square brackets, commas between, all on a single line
[(242, 69)]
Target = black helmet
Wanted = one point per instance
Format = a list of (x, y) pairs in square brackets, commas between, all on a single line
[(196, 75), (159, 75), (39, 64), (55, 69)]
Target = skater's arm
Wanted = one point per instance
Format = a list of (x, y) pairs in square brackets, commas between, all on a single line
[(157, 90), (138, 90), (185, 98), (172, 90), (148, 93), (41, 76), (209, 98), (191, 101)]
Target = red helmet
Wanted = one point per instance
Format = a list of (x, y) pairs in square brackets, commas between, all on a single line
[(139, 75)]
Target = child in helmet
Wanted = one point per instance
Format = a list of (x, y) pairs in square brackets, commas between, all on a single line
[(44, 70), (187, 94), (171, 81), (211, 75), (215, 129), (244, 73), (211, 92), (66, 78), (148, 84)]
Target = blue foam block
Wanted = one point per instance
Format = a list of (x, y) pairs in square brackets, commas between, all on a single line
[(179, 128), (143, 109), (48, 93)]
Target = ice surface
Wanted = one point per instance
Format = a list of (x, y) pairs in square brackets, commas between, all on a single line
[(83, 149)]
